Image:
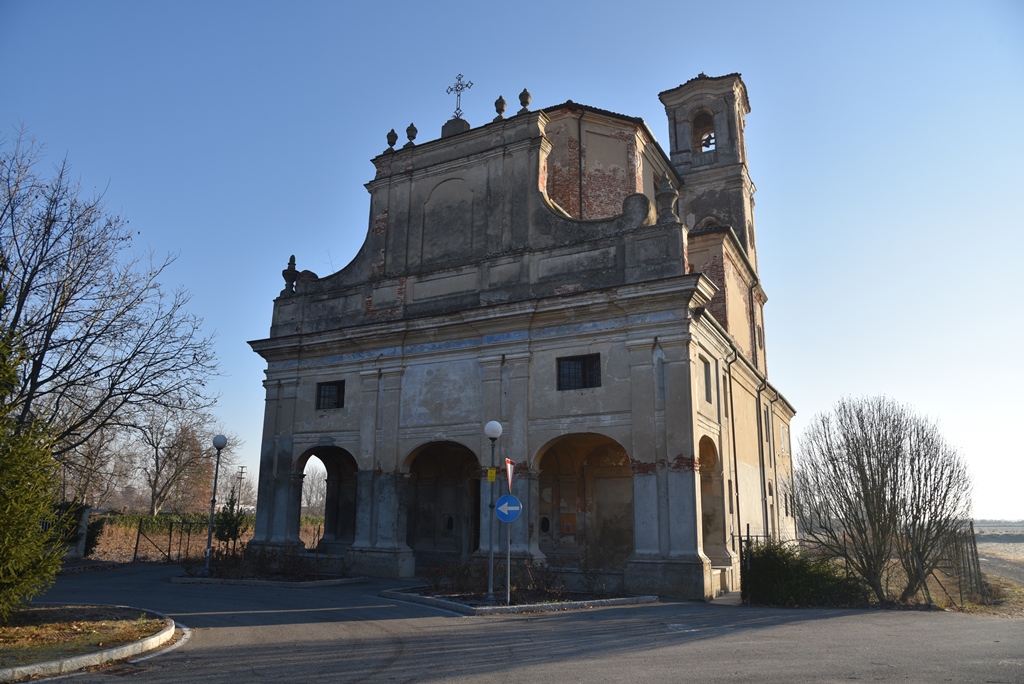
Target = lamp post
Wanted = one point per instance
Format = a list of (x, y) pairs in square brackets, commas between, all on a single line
[(219, 442), (493, 431)]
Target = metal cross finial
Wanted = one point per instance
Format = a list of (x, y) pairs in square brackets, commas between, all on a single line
[(457, 89)]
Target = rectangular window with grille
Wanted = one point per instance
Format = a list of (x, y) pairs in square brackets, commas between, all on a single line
[(330, 395), (579, 372)]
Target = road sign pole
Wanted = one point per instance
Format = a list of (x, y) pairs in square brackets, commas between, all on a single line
[(508, 565), (507, 510)]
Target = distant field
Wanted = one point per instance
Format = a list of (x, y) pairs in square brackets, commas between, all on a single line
[(1001, 538), (1001, 548)]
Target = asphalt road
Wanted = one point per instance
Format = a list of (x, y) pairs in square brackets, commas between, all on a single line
[(350, 634)]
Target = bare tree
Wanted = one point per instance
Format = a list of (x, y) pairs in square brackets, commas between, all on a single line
[(314, 489), (104, 337), (96, 469), (935, 503), (174, 457), (874, 483)]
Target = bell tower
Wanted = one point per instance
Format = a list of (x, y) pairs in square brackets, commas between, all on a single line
[(706, 116)]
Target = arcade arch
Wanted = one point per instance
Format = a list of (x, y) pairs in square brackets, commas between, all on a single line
[(585, 508), (443, 504), (339, 500), (712, 502)]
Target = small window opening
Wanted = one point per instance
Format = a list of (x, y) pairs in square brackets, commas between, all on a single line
[(449, 523), (545, 524), (730, 497), (330, 395), (703, 133), (579, 372)]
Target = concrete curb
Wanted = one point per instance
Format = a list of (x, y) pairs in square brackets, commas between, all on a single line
[(407, 595), (269, 583), (52, 667)]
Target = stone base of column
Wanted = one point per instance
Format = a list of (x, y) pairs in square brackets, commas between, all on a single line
[(275, 547), (393, 563), (686, 578)]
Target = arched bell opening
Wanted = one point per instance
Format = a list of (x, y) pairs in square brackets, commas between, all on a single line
[(326, 477), (443, 504), (585, 511), (703, 139)]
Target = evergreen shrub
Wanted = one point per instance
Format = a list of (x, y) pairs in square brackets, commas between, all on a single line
[(779, 575)]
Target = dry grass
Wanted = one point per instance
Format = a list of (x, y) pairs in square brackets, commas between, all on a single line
[(1006, 599), (38, 634), (117, 544)]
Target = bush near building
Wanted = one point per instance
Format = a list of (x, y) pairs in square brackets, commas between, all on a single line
[(777, 574)]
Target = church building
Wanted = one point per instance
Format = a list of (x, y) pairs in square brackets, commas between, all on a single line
[(559, 272)]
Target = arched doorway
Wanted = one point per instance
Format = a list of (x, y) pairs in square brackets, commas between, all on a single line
[(712, 503), (585, 511), (337, 491), (443, 503)]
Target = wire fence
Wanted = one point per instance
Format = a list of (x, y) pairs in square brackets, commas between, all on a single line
[(961, 563), (180, 541), (958, 574)]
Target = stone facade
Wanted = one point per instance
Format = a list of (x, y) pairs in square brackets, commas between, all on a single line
[(536, 271)]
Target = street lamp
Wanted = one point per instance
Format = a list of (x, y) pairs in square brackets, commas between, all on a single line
[(493, 431), (219, 442)]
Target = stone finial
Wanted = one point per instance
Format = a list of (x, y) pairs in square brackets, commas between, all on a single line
[(666, 198), (499, 106), (524, 100), (290, 275), (411, 132), (392, 139)]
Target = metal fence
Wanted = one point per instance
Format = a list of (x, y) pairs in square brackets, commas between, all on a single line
[(960, 563), (181, 540)]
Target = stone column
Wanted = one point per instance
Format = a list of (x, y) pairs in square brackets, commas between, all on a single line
[(684, 483), (366, 511), (679, 569), (515, 419), (388, 462), (331, 505), (643, 451), (273, 498), (294, 507)]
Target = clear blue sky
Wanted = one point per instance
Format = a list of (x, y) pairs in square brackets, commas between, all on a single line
[(884, 139)]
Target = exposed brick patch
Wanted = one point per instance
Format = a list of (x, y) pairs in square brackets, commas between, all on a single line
[(391, 311), (683, 463), (563, 178), (714, 270), (378, 265), (380, 223), (641, 468)]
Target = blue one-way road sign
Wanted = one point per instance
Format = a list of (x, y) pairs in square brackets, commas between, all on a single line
[(508, 508)]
